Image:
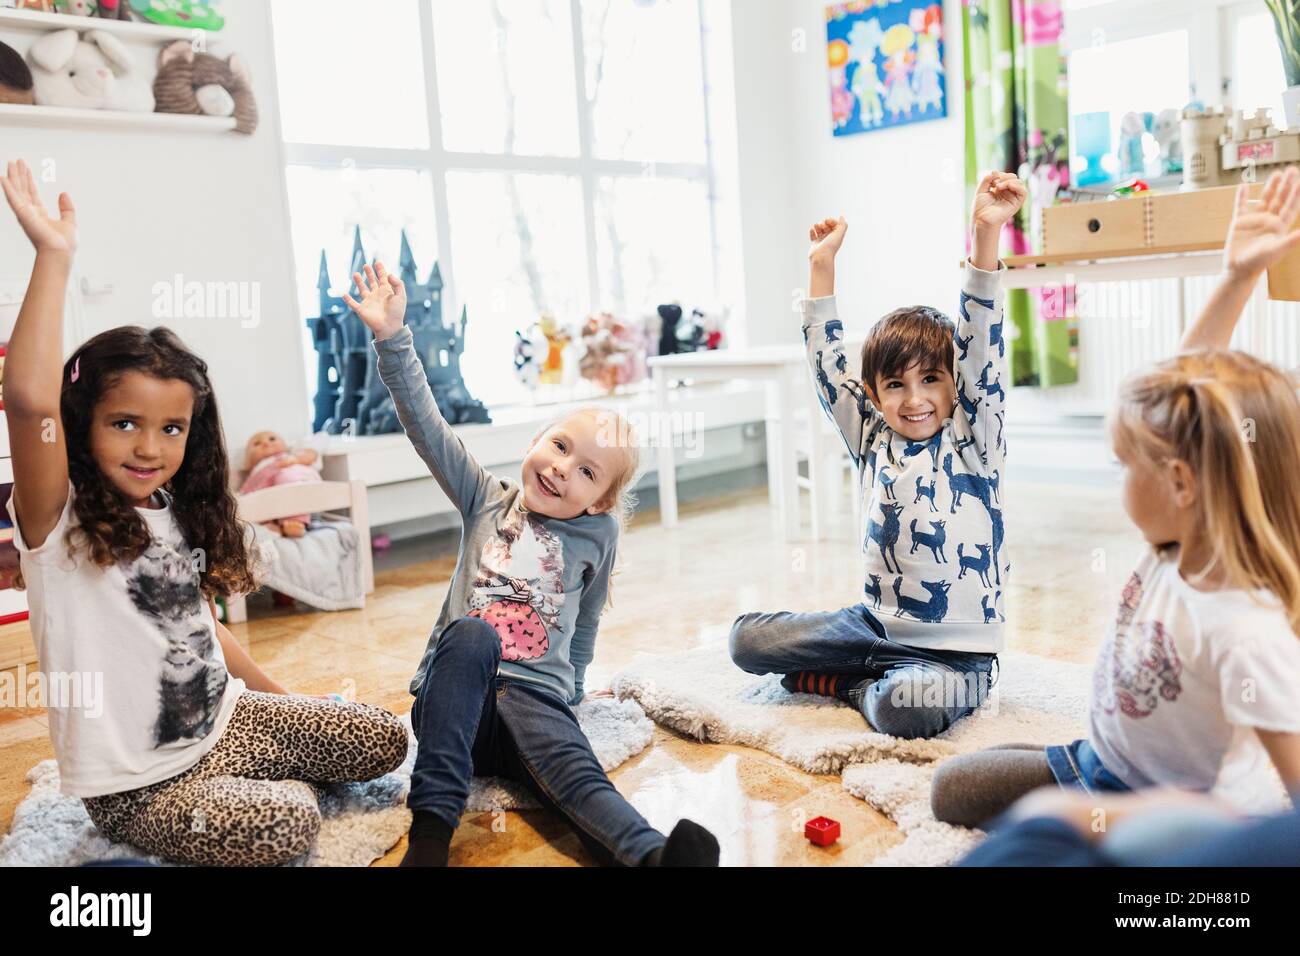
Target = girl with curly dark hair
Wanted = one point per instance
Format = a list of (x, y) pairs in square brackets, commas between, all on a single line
[(126, 530)]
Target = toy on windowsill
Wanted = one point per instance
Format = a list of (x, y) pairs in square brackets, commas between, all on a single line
[(531, 349), (1133, 129), (615, 352), (822, 831), (179, 13), (1168, 135), (552, 371), (15, 77), (268, 463), (350, 397), (94, 72), (201, 84), (669, 316)]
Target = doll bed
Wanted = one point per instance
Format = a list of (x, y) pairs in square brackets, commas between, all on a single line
[(330, 537)]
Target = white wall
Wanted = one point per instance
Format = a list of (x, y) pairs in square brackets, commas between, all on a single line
[(901, 190), (210, 206)]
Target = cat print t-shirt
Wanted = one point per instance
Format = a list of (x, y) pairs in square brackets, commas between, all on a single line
[(135, 681), (1184, 680), (541, 582)]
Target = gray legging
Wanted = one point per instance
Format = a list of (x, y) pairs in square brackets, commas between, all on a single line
[(973, 788)]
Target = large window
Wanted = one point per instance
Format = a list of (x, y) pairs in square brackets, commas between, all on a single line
[(1149, 55), (552, 155)]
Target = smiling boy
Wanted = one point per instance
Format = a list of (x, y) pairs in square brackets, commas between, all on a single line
[(919, 652)]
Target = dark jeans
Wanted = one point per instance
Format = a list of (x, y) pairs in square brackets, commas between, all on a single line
[(469, 721), (1046, 841), (916, 692)]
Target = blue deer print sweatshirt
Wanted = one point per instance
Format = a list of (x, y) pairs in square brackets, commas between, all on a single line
[(932, 531)]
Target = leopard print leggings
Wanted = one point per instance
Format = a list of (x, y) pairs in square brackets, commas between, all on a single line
[(247, 802)]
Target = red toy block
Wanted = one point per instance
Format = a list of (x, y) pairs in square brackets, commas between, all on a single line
[(822, 831)]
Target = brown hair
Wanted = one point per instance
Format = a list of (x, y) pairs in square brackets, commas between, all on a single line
[(914, 335), (108, 528), (1235, 420)]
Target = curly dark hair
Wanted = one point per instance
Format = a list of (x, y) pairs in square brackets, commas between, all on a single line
[(108, 527)]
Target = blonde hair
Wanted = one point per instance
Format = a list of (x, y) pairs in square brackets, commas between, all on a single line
[(1235, 421), (619, 499)]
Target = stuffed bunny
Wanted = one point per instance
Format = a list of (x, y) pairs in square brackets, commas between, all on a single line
[(95, 72), (200, 83)]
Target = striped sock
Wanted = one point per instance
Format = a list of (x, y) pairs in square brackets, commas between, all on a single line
[(814, 682)]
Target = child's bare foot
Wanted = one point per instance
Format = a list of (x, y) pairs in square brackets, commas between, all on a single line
[(293, 529)]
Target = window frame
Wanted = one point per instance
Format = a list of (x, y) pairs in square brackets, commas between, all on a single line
[(586, 167)]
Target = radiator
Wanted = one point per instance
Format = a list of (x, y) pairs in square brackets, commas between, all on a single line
[(1125, 325)]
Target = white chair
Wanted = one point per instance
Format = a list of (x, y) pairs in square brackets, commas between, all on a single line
[(282, 501), (821, 448)]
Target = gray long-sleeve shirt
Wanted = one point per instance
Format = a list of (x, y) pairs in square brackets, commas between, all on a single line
[(541, 582)]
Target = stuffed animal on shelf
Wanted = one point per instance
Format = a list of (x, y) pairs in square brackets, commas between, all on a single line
[(669, 316), (114, 10), (77, 8), (268, 463), (179, 13), (15, 77), (552, 372), (615, 352), (94, 72), (531, 348), (203, 84)]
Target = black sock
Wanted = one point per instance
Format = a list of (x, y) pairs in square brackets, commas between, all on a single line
[(688, 845), (429, 840)]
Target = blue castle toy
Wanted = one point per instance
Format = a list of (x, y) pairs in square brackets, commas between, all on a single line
[(349, 394)]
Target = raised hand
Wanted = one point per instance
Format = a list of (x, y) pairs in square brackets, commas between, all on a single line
[(826, 237), (47, 233), (383, 301), (998, 197), (1261, 236)]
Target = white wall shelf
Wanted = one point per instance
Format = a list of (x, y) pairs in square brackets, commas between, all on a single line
[(18, 114), (127, 29)]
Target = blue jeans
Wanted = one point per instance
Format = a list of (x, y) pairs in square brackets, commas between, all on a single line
[(915, 692), (1077, 765), (469, 721)]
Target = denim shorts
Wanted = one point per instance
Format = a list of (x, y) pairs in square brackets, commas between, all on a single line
[(1077, 765)]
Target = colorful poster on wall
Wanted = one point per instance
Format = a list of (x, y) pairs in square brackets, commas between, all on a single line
[(886, 64)]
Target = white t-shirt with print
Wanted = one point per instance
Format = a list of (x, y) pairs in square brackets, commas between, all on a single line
[(135, 682), (1183, 680)]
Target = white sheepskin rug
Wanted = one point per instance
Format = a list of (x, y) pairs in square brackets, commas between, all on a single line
[(360, 821), (701, 693)]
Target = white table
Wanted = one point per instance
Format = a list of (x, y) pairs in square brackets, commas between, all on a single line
[(784, 370)]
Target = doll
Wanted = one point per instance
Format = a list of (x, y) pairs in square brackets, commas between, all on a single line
[(269, 462)]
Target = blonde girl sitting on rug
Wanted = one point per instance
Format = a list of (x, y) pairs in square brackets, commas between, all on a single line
[(1195, 685)]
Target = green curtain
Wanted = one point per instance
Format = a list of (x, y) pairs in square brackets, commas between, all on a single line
[(1018, 120)]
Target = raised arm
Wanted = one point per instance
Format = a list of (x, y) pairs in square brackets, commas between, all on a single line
[(383, 309), (34, 362), (982, 376), (1260, 235), (840, 393)]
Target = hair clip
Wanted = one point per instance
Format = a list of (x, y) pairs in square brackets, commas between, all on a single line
[(76, 369)]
